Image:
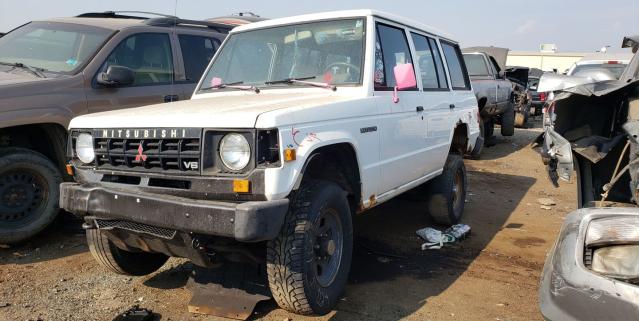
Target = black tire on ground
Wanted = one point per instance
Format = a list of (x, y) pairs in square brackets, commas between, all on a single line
[(508, 122), (120, 261), (476, 153), (446, 194), (489, 129), (309, 261), (29, 193)]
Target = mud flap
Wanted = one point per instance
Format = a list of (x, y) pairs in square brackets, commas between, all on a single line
[(232, 291)]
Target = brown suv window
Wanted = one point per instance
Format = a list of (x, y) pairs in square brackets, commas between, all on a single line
[(148, 55), (197, 51)]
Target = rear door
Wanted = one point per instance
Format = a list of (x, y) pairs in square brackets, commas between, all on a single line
[(437, 98), (151, 56)]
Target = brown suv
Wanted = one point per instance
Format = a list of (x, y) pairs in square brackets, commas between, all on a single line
[(57, 69)]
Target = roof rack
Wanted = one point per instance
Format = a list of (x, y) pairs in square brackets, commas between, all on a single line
[(174, 21), (161, 20), (122, 14)]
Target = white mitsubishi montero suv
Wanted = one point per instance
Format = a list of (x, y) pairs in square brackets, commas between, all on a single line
[(298, 124)]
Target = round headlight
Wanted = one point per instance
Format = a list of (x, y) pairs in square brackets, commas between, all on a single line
[(84, 148), (235, 151)]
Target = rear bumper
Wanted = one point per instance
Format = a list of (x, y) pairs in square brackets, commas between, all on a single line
[(245, 222)]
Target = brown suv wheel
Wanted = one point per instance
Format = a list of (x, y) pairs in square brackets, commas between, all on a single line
[(29, 189)]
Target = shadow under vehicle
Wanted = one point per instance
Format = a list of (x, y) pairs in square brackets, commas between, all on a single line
[(56, 69), (592, 127)]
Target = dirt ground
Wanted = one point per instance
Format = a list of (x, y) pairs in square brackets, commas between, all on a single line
[(492, 275)]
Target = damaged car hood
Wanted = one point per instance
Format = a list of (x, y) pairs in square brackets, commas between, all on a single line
[(233, 110)]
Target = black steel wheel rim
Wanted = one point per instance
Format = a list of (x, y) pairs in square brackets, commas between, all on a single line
[(23, 194), (328, 245)]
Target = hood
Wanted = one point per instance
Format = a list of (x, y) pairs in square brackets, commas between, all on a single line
[(224, 110)]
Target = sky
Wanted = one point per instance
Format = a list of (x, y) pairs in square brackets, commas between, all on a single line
[(572, 25)]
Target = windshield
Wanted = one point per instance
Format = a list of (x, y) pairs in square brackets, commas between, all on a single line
[(615, 69), (52, 46), (328, 52), (476, 65)]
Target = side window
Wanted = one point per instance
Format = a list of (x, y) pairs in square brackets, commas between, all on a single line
[(148, 55), (441, 74), (476, 65), (394, 51), (430, 65), (456, 67), (197, 51)]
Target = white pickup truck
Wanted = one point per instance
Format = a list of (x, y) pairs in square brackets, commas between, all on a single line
[(298, 124)]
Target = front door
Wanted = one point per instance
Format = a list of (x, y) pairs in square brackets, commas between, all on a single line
[(150, 56)]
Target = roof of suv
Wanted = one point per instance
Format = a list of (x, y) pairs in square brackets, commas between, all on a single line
[(344, 14)]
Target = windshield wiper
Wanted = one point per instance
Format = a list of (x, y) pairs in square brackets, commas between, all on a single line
[(36, 71), (234, 85), (302, 81)]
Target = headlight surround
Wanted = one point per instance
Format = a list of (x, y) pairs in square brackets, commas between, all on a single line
[(235, 151), (84, 148)]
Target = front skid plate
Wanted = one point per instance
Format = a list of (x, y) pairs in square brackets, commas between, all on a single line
[(231, 291)]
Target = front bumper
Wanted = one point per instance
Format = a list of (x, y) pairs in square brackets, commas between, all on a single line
[(245, 222), (569, 291)]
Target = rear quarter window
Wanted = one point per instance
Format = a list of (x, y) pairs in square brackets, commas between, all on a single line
[(456, 67)]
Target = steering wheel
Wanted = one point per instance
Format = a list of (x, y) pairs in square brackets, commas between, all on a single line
[(341, 64)]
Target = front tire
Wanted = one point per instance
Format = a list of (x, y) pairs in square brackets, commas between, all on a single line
[(309, 261), (120, 261), (447, 193), (29, 192), (508, 122)]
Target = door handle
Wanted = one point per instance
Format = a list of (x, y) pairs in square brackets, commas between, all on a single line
[(419, 108), (170, 98), (451, 106)]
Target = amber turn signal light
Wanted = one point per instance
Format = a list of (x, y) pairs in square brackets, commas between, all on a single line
[(289, 154), (241, 186), (70, 169)]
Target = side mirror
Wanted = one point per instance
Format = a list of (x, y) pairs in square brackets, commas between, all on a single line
[(405, 79), (116, 76), (501, 75)]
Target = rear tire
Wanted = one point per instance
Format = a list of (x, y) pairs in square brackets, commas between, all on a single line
[(447, 193), (309, 261), (120, 261), (29, 193)]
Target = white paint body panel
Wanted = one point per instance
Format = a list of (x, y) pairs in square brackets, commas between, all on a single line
[(407, 149)]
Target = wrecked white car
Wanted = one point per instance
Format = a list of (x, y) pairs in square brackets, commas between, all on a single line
[(592, 128)]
